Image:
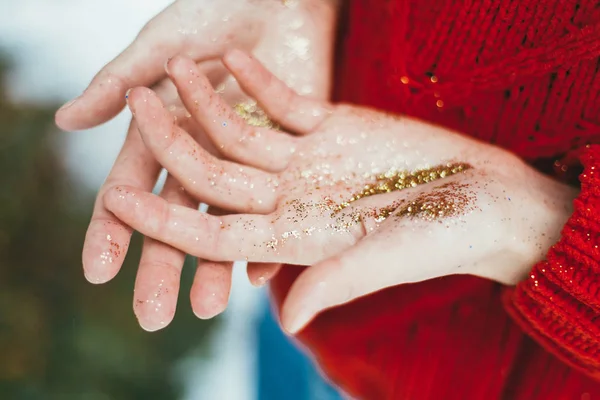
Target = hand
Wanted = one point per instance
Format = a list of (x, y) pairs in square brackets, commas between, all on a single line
[(294, 40), (327, 197)]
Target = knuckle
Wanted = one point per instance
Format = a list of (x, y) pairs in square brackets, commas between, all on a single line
[(173, 192), (216, 243), (243, 144), (172, 266), (163, 220), (168, 142)]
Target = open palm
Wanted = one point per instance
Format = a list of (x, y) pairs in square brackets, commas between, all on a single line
[(353, 187)]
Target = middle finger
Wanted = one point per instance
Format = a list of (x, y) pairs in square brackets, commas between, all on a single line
[(213, 181)]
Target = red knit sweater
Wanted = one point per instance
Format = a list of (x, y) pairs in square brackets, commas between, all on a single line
[(523, 74)]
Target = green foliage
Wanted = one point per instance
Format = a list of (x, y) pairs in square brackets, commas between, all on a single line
[(61, 337)]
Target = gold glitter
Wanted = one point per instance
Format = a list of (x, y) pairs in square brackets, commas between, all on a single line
[(439, 103), (404, 79), (254, 115), (272, 244), (341, 222), (445, 201), (449, 200), (433, 79), (397, 180), (382, 213)]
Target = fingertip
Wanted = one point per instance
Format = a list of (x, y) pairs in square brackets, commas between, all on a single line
[(236, 59), (63, 117), (112, 195), (259, 281), (209, 306), (310, 294), (139, 94), (293, 324), (129, 101), (152, 314), (260, 274), (144, 104), (297, 311), (93, 277), (176, 63), (104, 250), (100, 102), (166, 66), (184, 71), (153, 326), (210, 291)]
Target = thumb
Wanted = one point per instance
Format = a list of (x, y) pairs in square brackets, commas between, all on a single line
[(337, 280), (140, 64), (143, 62), (397, 252)]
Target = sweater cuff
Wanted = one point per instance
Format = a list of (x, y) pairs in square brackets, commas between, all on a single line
[(559, 304)]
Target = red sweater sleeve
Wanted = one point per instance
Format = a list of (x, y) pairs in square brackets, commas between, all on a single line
[(450, 338), (559, 304)]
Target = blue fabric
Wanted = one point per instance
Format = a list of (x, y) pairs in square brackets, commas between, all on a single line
[(284, 372)]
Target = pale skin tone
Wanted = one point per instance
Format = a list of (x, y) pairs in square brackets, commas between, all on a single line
[(284, 188), (283, 36), (196, 28)]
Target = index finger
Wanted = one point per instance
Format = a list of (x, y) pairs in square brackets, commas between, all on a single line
[(254, 238)]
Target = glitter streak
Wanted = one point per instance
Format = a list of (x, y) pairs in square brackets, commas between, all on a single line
[(443, 201), (446, 201), (397, 180)]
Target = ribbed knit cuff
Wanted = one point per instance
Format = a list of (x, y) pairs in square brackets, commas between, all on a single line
[(559, 304)]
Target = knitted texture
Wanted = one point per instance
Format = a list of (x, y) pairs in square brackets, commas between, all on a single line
[(523, 75), (560, 304)]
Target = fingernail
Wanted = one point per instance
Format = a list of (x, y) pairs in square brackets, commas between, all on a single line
[(208, 312), (301, 320), (150, 326), (260, 281), (167, 65), (129, 104), (69, 104), (209, 306), (208, 315)]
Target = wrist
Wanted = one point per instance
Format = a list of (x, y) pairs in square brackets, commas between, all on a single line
[(543, 210)]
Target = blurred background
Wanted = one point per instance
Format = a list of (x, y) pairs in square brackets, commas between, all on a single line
[(61, 337)]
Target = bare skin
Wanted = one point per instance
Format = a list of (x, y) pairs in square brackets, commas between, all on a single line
[(294, 40), (295, 194)]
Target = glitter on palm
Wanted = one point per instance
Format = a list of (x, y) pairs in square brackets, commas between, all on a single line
[(254, 115), (398, 180), (446, 201)]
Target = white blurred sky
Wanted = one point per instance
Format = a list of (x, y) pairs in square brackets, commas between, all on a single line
[(58, 46)]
